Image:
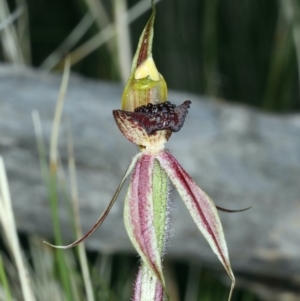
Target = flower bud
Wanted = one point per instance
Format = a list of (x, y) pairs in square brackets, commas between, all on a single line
[(145, 84)]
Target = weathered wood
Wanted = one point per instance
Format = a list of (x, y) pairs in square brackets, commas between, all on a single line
[(239, 156)]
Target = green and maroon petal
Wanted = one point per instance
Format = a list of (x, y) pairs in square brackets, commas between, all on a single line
[(139, 216), (201, 208)]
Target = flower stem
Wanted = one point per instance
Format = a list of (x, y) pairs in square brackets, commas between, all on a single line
[(147, 286)]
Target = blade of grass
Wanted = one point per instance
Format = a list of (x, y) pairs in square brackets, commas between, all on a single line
[(121, 287), (191, 293), (73, 273), (7, 218), (46, 280), (62, 266), (12, 276), (43, 260), (74, 193), (248, 297), (40, 145), (9, 38), (210, 48), (74, 276), (124, 52), (171, 282), (92, 44), (3, 279), (11, 18), (281, 65), (22, 29), (59, 174), (108, 32), (43, 275), (101, 274), (291, 10), (96, 12), (102, 18), (99, 12), (57, 117), (76, 34)]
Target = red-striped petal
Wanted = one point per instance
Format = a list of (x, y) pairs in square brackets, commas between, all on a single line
[(201, 208), (139, 215)]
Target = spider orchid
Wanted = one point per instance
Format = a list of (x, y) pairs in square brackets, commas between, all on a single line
[(147, 119)]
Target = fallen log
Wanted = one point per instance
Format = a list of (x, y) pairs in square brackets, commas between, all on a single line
[(239, 156)]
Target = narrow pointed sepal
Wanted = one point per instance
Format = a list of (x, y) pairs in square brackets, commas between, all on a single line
[(201, 208), (147, 287), (139, 216), (144, 49), (105, 213)]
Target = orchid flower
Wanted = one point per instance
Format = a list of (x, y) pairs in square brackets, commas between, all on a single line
[(147, 119)]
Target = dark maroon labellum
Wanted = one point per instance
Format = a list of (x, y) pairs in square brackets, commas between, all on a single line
[(163, 116)]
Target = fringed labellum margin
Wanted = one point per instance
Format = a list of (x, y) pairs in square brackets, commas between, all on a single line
[(150, 126)]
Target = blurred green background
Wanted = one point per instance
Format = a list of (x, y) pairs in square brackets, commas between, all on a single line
[(243, 51)]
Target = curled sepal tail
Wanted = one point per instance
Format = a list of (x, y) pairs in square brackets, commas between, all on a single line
[(233, 210), (105, 213), (201, 208)]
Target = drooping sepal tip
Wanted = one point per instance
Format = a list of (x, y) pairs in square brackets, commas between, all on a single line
[(106, 211), (144, 49)]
